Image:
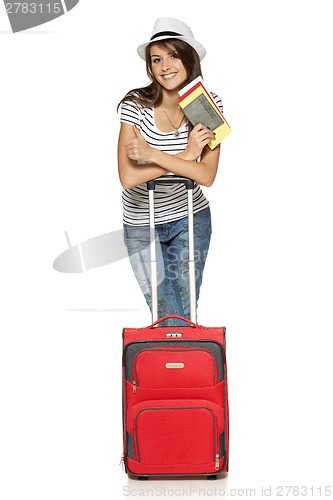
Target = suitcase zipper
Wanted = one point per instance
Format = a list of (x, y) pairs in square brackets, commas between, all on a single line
[(134, 370), (217, 456)]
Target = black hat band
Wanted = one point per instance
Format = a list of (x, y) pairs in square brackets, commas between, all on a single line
[(165, 33)]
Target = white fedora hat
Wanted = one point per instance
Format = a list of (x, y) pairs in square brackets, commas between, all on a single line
[(167, 27)]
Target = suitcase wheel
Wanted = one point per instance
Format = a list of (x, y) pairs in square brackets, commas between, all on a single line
[(212, 478), (143, 478)]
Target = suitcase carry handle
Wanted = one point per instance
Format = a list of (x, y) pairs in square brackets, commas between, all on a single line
[(173, 316), (189, 184)]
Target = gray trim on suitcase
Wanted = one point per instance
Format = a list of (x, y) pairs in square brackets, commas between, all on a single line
[(222, 444), (130, 445)]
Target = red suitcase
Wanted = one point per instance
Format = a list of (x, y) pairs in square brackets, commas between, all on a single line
[(175, 394)]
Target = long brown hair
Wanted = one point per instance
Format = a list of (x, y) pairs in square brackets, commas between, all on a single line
[(152, 94)]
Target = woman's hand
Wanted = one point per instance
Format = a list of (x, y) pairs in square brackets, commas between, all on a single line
[(138, 149), (199, 137)]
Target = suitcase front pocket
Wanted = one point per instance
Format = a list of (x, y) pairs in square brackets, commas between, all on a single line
[(177, 432), (174, 368)]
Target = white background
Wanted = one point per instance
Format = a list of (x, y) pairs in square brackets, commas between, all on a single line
[(269, 272)]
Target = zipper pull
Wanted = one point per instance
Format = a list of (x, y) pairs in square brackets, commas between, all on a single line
[(217, 462), (122, 462), (134, 386)]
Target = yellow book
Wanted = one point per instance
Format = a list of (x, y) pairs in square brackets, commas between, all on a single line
[(199, 107)]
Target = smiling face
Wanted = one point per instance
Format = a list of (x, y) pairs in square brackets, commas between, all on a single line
[(166, 67)]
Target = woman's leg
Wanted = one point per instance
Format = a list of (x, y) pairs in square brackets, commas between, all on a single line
[(176, 256), (137, 241)]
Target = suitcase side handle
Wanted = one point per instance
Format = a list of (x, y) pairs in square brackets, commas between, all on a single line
[(173, 316), (170, 179)]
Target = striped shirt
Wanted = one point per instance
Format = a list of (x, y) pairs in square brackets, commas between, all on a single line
[(170, 200)]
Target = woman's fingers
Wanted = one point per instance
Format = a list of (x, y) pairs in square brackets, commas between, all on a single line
[(203, 132)]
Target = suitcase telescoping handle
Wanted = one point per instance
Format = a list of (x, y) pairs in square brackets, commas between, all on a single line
[(189, 183)]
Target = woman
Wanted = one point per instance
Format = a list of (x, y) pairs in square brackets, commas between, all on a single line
[(155, 139)]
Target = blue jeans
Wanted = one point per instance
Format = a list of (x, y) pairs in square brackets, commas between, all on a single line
[(172, 261)]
